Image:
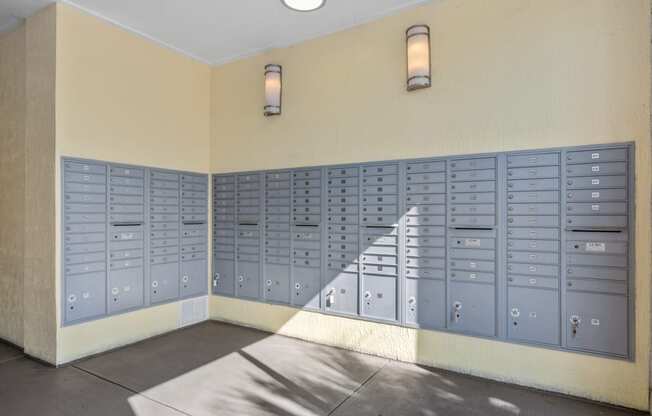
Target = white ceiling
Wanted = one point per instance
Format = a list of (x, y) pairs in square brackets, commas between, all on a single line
[(218, 31)]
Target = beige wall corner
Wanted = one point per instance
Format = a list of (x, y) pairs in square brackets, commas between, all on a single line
[(12, 183), (136, 103), (40, 313)]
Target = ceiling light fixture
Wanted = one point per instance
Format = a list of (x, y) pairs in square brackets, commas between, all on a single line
[(304, 5)]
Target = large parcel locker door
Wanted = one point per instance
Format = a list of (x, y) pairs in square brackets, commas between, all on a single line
[(84, 240), (278, 205), (380, 265), (472, 254), (340, 289), (306, 238), (224, 229), (425, 244), (127, 230), (164, 253), (194, 235), (533, 247), (249, 211), (598, 249)]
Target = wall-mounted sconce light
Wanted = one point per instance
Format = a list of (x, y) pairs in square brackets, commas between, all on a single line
[(418, 57), (273, 89)]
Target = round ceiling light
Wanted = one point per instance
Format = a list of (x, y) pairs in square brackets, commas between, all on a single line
[(304, 5)]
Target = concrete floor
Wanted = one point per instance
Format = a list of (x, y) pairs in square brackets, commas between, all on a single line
[(218, 369)]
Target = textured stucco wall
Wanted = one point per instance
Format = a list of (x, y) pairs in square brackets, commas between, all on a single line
[(507, 75), (12, 183), (122, 98), (40, 324)]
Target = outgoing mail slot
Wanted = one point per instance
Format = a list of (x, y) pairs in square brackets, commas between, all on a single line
[(533, 185), (597, 286), (425, 273), (598, 155), (532, 257), (533, 209), (539, 159), (602, 182), (479, 186), (426, 178), (534, 172), (597, 169), (597, 221), (533, 281), (473, 175)]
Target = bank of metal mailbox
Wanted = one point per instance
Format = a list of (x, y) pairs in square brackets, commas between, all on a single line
[(224, 233), (532, 247), (122, 238)]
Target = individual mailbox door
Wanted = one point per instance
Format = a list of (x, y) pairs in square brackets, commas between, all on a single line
[(248, 280), (425, 304), (306, 290), (277, 282), (224, 277), (597, 323), (379, 297), (341, 293), (85, 297), (125, 285), (534, 315), (164, 281), (472, 308)]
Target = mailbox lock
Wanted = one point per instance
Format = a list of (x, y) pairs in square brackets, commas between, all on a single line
[(575, 323), (185, 279), (115, 291), (155, 284), (72, 298), (268, 282)]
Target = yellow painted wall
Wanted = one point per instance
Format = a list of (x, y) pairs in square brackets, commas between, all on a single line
[(12, 183), (124, 99), (507, 75)]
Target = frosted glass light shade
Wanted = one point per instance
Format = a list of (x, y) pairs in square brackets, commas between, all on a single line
[(304, 5), (273, 89), (418, 57)]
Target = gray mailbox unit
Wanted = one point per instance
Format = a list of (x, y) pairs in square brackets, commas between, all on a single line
[(123, 247), (530, 247)]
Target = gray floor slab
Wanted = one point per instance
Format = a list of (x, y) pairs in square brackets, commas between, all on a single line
[(8, 352), (29, 388), (403, 389), (238, 371)]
